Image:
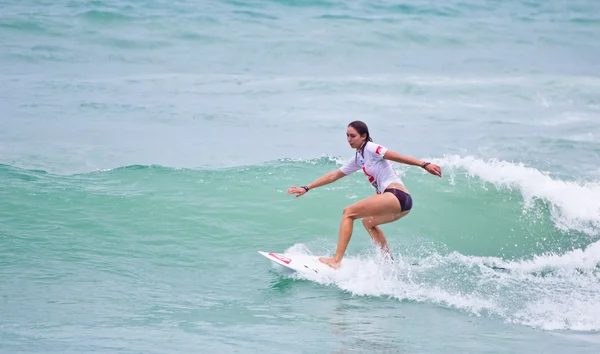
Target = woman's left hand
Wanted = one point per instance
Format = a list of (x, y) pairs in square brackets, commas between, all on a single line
[(434, 169)]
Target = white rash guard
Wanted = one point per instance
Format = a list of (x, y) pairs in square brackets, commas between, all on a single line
[(380, 172)]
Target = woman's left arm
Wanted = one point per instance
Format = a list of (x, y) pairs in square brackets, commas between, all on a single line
[(430, 167)]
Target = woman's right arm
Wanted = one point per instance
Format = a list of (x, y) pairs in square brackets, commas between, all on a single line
[(327, 178)]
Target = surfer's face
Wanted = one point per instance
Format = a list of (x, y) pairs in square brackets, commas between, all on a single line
[(354, 139)]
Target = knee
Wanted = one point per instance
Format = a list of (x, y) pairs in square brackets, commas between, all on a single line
[(349, 213), (367, 223)]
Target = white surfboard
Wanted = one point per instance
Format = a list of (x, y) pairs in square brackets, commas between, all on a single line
[(300, 263)]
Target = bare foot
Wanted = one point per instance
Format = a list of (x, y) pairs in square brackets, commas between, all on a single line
[(388, 255), (331, 262)]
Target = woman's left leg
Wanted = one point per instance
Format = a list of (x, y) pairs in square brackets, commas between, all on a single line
[(385, 204), (371, 224)]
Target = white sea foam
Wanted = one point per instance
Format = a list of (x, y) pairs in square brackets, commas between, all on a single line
[(552, 292)]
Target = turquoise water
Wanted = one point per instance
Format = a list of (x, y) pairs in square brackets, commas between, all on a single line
[(146, 147)]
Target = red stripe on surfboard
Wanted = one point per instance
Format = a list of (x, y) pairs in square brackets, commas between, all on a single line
[(280, 257)]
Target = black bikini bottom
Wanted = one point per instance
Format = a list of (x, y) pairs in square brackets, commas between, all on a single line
[(404, 198)]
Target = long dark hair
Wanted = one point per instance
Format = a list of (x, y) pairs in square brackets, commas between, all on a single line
[(362, 129)]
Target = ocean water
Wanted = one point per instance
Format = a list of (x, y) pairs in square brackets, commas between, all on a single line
[(146, 148)]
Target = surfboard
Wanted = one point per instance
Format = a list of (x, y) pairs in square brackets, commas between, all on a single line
[(301, 263)]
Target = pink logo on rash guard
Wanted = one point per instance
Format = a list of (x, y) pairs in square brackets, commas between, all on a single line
[(378, 150), (371, 178)]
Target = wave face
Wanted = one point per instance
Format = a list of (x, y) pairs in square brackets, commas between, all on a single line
[(493, 238)]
